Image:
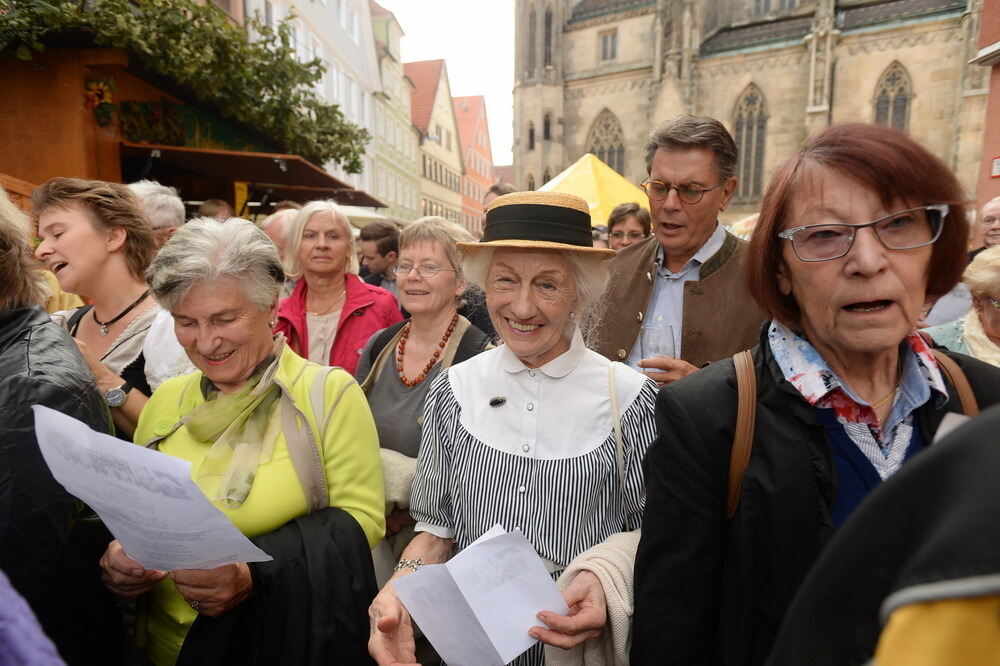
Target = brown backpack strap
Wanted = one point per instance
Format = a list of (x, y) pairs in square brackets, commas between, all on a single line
[(746, 415), (959, 382)]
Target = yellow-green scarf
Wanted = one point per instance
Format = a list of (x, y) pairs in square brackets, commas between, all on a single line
[(243, 427)]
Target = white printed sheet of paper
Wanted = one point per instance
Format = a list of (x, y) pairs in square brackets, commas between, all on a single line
[(146, 498), (476, 608)]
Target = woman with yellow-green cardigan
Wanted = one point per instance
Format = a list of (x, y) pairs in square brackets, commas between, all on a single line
[(284, 447)]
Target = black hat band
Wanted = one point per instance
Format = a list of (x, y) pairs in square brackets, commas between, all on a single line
[(538, 222)]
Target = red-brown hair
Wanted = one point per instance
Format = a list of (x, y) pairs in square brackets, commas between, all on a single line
[(887, 162)]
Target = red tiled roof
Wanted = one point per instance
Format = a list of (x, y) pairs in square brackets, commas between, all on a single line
[(468, 111), (425, 76)]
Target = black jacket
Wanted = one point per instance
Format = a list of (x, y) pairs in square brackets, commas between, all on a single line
[(710, 591), (48, 549), (309, 605), (932, 524)]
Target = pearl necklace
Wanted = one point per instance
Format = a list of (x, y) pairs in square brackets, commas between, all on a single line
[(408, 383)]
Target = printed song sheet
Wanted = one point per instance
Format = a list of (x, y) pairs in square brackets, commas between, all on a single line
[(147, 499), (477, 608)]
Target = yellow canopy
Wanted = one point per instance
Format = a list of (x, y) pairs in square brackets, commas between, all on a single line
[(601, 186)]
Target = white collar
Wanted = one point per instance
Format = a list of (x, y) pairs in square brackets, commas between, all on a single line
[(558, 367)]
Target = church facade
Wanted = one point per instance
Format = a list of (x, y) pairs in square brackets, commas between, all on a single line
[(597, 76)]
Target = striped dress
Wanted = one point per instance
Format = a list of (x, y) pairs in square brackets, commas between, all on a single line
[(533, 450)]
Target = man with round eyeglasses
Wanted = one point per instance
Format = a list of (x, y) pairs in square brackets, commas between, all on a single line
[(685, 279)]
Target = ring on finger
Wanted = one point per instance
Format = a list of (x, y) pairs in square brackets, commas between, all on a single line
[(194, 605)]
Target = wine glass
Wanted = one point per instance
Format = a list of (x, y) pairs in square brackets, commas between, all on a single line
[(656, 341)]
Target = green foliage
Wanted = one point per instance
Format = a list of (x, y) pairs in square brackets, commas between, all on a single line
[(254, 81)]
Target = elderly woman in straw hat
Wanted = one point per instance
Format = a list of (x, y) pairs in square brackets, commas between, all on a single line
[(540, 434)]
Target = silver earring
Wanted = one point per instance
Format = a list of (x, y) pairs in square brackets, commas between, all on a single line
[(572, 315)]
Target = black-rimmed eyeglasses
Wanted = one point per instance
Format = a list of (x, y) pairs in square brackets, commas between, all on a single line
[(425, 271), (688, 193), (905, 230)]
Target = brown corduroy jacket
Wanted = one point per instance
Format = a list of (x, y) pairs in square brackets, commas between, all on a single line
[(720, 318)]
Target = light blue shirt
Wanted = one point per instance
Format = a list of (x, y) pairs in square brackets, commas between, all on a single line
[(666, 303)]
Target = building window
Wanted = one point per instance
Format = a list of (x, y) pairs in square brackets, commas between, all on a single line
[(531, 182), (268, 14), (750, 132), (892, 97), (787, 4), (607, 141), (547, 176), (447, 143), (609, 45), (547, 128), (761, 7), (531, 41), (531, 136), (548, 37)]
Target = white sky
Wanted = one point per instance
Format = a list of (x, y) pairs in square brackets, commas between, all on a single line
[(476, 40)]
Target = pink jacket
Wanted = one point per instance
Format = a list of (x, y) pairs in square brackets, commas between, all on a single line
[(367, 309)]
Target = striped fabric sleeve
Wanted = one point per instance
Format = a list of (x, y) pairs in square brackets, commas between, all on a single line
[(430, 499), (638, 432)]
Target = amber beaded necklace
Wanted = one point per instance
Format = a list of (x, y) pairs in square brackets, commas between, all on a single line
[(434, 358)]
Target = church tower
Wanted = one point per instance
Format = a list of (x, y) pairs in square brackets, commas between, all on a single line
[(539, 153)]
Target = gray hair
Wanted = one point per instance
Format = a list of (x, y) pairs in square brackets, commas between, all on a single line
[(589, 273), (293, 267), (163, 206), (434, 229), (689, 132), (205, 250)]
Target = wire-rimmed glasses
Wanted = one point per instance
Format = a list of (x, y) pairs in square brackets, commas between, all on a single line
[(905, 230), (425, 271), (632, 235), (688, 193)]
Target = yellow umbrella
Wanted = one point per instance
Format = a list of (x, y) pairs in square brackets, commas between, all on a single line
[(601, 186)]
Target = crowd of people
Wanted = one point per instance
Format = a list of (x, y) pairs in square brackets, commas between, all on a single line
[(693, 431)]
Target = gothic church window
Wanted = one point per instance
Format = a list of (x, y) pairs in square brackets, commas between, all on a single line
[(531, 41), (531, 136), (547, 176), (607, 141), (547, 128), (531, 182), (750, 125), (609, 45), (892, 97), (548, 37)]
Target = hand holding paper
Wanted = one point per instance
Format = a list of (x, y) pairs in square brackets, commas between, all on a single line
[(478, 607), (147, 499)]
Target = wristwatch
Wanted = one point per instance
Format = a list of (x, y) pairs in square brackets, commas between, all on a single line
[(116, 397)]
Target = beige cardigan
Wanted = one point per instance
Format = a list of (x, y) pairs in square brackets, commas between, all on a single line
[(612, 562)]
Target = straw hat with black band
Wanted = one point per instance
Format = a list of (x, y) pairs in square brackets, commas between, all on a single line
[(538, 221)]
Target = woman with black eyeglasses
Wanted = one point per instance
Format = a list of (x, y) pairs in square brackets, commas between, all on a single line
[(628, 223), (399, 363), (855, 231)]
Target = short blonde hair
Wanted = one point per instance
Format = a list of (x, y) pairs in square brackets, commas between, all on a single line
[(107, 205), (438, 230), (982, 276), (293, 267), (21, 281)]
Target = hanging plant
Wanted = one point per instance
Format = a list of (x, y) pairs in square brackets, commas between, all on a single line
[(257, 82), (97, 98)]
